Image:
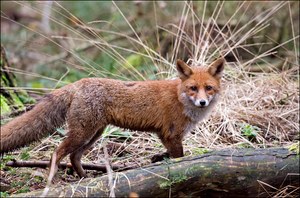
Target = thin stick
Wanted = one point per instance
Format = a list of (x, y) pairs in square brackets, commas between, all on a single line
[(109, 172), (64, 165)]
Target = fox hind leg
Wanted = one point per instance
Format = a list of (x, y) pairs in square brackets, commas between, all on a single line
[(69, 145), (76, 140), (75, 157), (66, 147)]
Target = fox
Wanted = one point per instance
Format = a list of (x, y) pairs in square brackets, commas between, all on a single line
[(169, 108)]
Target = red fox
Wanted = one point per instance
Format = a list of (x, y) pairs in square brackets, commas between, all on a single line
[(169, 108)]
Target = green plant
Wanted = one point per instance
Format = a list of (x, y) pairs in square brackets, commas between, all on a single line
[(295, 147), (244, 145), (3, 194), (200, 151), (25, 155), (5, 159), (23, 189), (174, 179), (115, 132), (249, 131)]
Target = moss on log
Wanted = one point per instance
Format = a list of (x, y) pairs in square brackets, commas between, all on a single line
[(10, 100), (224, 173)]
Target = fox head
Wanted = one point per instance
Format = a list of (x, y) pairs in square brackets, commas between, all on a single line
[(199, 86)]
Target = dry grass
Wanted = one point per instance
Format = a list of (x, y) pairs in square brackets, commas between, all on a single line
[(266, 105), (269, 102)]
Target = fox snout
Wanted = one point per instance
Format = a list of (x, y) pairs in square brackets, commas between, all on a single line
[(201, 98), (198, 98), (201, 103)]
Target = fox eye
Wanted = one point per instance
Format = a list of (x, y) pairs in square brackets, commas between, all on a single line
[(208, 88), (193, 88)]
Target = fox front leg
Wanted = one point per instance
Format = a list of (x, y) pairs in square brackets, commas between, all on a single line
[(174, 149)]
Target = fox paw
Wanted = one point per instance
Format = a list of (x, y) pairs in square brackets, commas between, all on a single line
[(159, 157)]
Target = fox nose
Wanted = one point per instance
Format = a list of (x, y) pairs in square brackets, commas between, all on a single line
[(202, 103)]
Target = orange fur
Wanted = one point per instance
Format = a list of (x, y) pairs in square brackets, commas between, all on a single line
[(170, 108)]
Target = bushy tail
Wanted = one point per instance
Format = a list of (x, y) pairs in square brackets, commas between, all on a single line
[(31, 126)]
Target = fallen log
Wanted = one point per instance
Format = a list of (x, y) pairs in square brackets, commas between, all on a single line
[(226, 173)]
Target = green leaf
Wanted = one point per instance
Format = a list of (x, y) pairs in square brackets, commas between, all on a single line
[(25, 155)]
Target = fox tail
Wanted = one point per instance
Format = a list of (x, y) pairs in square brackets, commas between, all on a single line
[(33, 125)]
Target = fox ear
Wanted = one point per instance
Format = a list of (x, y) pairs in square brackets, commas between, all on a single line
[(183, 69), (216, 68)]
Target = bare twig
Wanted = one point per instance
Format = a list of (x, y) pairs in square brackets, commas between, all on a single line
[(64, 165), (109, 172), (45, 23)]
